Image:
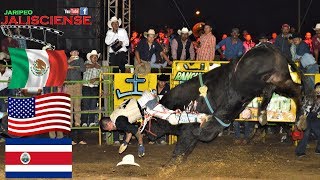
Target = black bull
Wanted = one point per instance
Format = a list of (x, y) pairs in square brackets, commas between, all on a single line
[(261, 71)]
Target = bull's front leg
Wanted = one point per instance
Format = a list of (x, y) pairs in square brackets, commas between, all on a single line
[(209, 130), (185, 144)]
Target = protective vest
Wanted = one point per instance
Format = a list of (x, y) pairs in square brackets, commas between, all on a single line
[(129, 109), (180, 46)]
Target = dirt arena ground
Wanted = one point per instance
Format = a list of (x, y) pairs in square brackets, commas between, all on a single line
[(220, 159)]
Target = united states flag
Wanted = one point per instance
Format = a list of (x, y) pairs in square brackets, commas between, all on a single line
[(40, 114)]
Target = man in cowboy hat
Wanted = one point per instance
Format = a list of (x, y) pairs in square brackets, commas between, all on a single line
[(181, 47), (146, 49), (316, 42), (117, 39), (90, 87)]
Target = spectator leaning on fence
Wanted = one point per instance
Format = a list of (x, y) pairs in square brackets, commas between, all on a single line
[(207, 48), (90, 87), (234, 46), (182, 47), (75, 68)]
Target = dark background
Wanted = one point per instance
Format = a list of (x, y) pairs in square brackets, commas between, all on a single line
[(256, 16)]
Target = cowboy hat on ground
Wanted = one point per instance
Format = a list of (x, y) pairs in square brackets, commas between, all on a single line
[(184, 30), (113, 19), (142, 69), (150, 32), (317, 27), (93, 52), (128, 160)]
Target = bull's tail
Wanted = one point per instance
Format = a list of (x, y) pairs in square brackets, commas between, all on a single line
[(306, 86)]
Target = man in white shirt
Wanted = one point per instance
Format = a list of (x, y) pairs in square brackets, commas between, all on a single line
[(5, 75), (117, 40)]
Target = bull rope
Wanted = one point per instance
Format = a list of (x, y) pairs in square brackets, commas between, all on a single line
[(209, 105)]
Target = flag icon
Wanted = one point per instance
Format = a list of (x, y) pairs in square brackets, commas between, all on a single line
[(37, 68), (40, 114), (38, 158)]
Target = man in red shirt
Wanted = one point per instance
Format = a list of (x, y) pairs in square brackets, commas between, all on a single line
[(316, 42), (308, 40)]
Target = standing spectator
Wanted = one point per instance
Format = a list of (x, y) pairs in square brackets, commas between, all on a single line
[(316, 42), (223, 48), (92, 73), (313, 124), (8, 42), (207, 45), (244, 34), (75, 68), (182, 47), (134, 40), (5, 75), (273, 38), (162, 39), (170, 34), (308, 40), (303, 55), (246, 114), (248, 43), (234, 46), (22, 42), (117, 39), (282, 41)]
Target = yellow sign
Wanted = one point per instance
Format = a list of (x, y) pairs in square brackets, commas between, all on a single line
[(128, 86), (185, 70)]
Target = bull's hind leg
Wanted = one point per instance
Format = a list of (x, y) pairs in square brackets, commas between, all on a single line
[(266, 97)]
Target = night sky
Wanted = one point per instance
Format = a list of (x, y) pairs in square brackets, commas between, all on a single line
[(256, 16)]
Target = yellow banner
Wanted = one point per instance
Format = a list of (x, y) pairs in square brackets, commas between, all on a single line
[(128, 86)]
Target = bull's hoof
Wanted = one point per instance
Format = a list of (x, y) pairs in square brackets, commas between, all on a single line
[(263, 120)]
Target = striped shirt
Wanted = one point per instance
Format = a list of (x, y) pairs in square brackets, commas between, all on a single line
[(91, 73), (207, 47)]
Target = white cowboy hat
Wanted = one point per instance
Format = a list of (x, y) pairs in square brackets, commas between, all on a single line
[(113, 19), (128, 160), (4, 56), (317, 27), (184, 30), (93, 52), (150, 32)]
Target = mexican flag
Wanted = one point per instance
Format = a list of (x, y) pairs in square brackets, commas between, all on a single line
[(37, 68)]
